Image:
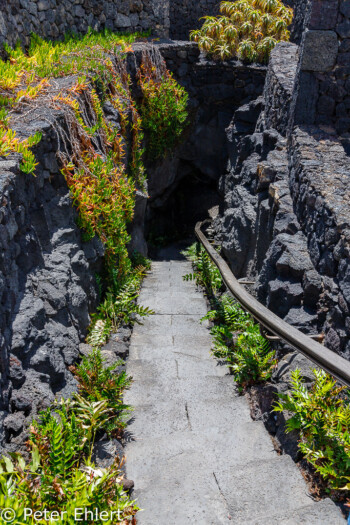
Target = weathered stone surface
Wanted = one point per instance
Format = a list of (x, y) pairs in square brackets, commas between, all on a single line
[(279, 86), (52, 19), (320, 51), (193, 451), (105, 452)]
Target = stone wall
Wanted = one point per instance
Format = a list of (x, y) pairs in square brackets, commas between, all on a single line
[(322, 90), (285, 218), (54, 18), (185, 15), (279, 87), (300, 19)]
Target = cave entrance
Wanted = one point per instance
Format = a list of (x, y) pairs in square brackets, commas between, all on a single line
[(170, 225)]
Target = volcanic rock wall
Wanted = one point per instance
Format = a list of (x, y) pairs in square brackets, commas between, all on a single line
[(322, 94), (285, 219), (53, 18), (185, 15), (47, 285)]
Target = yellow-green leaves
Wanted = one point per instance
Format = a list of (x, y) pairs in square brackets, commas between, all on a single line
[(163, 110), (248, 29)]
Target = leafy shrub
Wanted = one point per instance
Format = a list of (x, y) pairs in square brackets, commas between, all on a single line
[(105, 200), (119, 305), (100, 383), (163, 108), (60, 476), (251, 359), (205, 272), (248, 29), (236, 338), (322, 416)]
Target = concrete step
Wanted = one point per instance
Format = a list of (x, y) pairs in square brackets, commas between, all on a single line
[(317, 513), (193, 451), (161, 324), (263, 488), (185, 496), (153, 420), (179, 303), (215, 388), (216, 449)]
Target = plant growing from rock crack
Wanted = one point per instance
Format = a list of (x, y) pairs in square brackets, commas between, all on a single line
[(119, 305), (321, 414), (205, 272), (236, 338), (60, 475), (163, 108), (98, 383), (248, 29)]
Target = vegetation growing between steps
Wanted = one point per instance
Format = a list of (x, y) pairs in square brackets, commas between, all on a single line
[(247, 29), (60, 475), (321, 415), (119, 306), (236, 337)]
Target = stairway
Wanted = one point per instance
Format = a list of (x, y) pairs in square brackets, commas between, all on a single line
[(194, 453)]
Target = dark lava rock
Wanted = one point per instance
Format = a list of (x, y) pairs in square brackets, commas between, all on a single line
[(105, 452)]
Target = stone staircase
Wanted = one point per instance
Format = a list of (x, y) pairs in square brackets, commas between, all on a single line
[(194, 452)]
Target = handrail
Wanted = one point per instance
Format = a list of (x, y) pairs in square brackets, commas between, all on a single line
[(320, 355)]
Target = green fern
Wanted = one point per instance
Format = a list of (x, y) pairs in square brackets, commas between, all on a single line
[(119, 306), (100, 383), (321, 415), (236, 338), (205, 274)]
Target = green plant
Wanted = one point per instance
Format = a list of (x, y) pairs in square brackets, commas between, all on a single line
[(163, 108), (119, 305), (60, 476), (236, 338), (104, 197), (30, 486), (249, 29), (251, 358), (98, 383), (205, 272), (321, 415)]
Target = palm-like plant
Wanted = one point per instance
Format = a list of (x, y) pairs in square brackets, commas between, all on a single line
[(248, 29)]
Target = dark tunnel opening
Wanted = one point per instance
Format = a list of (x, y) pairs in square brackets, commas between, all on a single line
[(170, 226)]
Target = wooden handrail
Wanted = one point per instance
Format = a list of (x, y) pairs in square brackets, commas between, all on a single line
[(320, 355)]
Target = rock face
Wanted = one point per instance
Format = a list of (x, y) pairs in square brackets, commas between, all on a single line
[(285, 218), (48, 284), (321, 96), (48, 288), (215, 91), (185, 15)]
